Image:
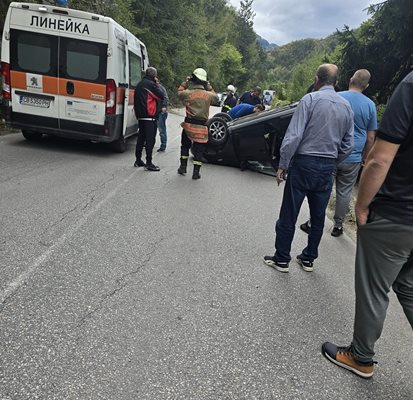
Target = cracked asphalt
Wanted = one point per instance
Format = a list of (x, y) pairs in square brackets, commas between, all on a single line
[(118, 283)]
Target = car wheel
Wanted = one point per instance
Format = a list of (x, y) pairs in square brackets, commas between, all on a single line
[(32, 136), (217, 131), (119, 145)]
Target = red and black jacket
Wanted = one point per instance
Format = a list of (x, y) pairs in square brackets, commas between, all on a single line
[(147, 95)]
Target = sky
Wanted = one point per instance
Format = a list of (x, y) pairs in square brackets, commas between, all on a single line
[(282, 21)]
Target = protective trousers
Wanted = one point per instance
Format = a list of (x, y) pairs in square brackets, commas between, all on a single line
[(198, 149), (384, 259)]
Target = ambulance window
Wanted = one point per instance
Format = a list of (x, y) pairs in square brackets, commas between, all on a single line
[(83, 60), (33, 52), (135, 69)]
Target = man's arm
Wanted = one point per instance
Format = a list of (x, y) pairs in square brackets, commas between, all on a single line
[(374, 173), (371, 136), (347, 143)]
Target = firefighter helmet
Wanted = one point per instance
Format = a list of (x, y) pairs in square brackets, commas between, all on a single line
[(201, 74)]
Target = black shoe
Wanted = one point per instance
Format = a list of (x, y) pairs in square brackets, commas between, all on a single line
[(344, 357), (305, 227), (160, 150), (337, 231), (182, 170), (139, 163), (279, 266), (152, 167), (305, 264)]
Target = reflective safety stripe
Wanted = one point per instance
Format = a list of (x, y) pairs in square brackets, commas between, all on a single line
[(184, 157), (197, 162)]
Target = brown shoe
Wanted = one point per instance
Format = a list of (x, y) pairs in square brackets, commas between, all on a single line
[(344, 357)]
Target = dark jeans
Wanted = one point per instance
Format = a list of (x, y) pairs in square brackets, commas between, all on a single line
[(186, 144), (146, 138), (310, 177)]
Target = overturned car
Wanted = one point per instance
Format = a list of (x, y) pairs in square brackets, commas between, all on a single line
[(252, 141)]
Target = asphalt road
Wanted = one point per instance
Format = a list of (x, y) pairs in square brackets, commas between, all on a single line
[(118, 283)]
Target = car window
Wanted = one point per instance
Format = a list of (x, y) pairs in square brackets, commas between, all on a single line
[(135, 69), (33, 52), (83, 60)]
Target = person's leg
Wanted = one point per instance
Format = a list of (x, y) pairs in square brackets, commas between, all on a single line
[(199, 149), (293, 197), (140, 141), (185, 146), (345, 180), (150, 136), (318, 196), (162, 130), (383, 258)]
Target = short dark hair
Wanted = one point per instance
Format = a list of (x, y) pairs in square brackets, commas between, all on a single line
[(260, 107), (151, 72)]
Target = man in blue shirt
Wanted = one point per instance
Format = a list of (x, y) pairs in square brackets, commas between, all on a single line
[(319, 136), (251, 97), (365, 125), (244, 109)]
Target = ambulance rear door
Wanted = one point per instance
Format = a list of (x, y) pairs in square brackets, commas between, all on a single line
[(33, 68)]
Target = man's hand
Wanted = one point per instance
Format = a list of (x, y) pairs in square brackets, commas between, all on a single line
[(280, 176), (362, 214)]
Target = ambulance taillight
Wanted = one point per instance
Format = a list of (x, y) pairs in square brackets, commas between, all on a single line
[(5, 72), (110, 97)]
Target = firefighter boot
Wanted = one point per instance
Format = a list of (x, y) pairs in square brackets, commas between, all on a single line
[(195, 174), (184, 163)]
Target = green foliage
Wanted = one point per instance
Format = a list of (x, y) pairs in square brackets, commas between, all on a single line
[(383, 45)]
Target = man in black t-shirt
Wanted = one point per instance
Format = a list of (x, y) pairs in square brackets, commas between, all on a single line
[(384, 211)]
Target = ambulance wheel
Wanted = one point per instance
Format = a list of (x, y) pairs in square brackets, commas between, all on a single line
[(32, 136), (119, 145)]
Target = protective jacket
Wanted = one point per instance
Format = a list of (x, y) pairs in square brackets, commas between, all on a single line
[(229, 102), (197, 101), (146, 98)]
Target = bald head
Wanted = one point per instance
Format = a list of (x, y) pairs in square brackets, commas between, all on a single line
[(326, 75), (360, 79)]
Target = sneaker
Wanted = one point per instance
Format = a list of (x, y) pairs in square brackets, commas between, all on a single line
[(152, 167), (305, 264), (305, 227), (337, 231), (160, 150), (344, 357), (139, 163), (279, 266)]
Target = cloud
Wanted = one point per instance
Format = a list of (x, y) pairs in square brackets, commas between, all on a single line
[(282, 21)]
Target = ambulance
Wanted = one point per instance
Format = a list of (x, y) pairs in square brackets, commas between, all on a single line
[(70, 73)]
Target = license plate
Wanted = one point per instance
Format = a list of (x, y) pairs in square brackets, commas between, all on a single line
[(34, 101)]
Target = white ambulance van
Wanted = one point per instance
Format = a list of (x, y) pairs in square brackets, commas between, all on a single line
[(70, 73)]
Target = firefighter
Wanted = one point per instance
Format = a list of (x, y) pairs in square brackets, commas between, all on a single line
[(197, 95), (231, 99)]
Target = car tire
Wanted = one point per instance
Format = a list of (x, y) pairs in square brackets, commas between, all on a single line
[(223, 115), (32, 136), (119, 145), (217, 131)]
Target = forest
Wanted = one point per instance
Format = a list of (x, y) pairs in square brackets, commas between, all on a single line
[(183, 34)]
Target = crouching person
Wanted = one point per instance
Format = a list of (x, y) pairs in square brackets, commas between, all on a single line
[(197, 95)]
